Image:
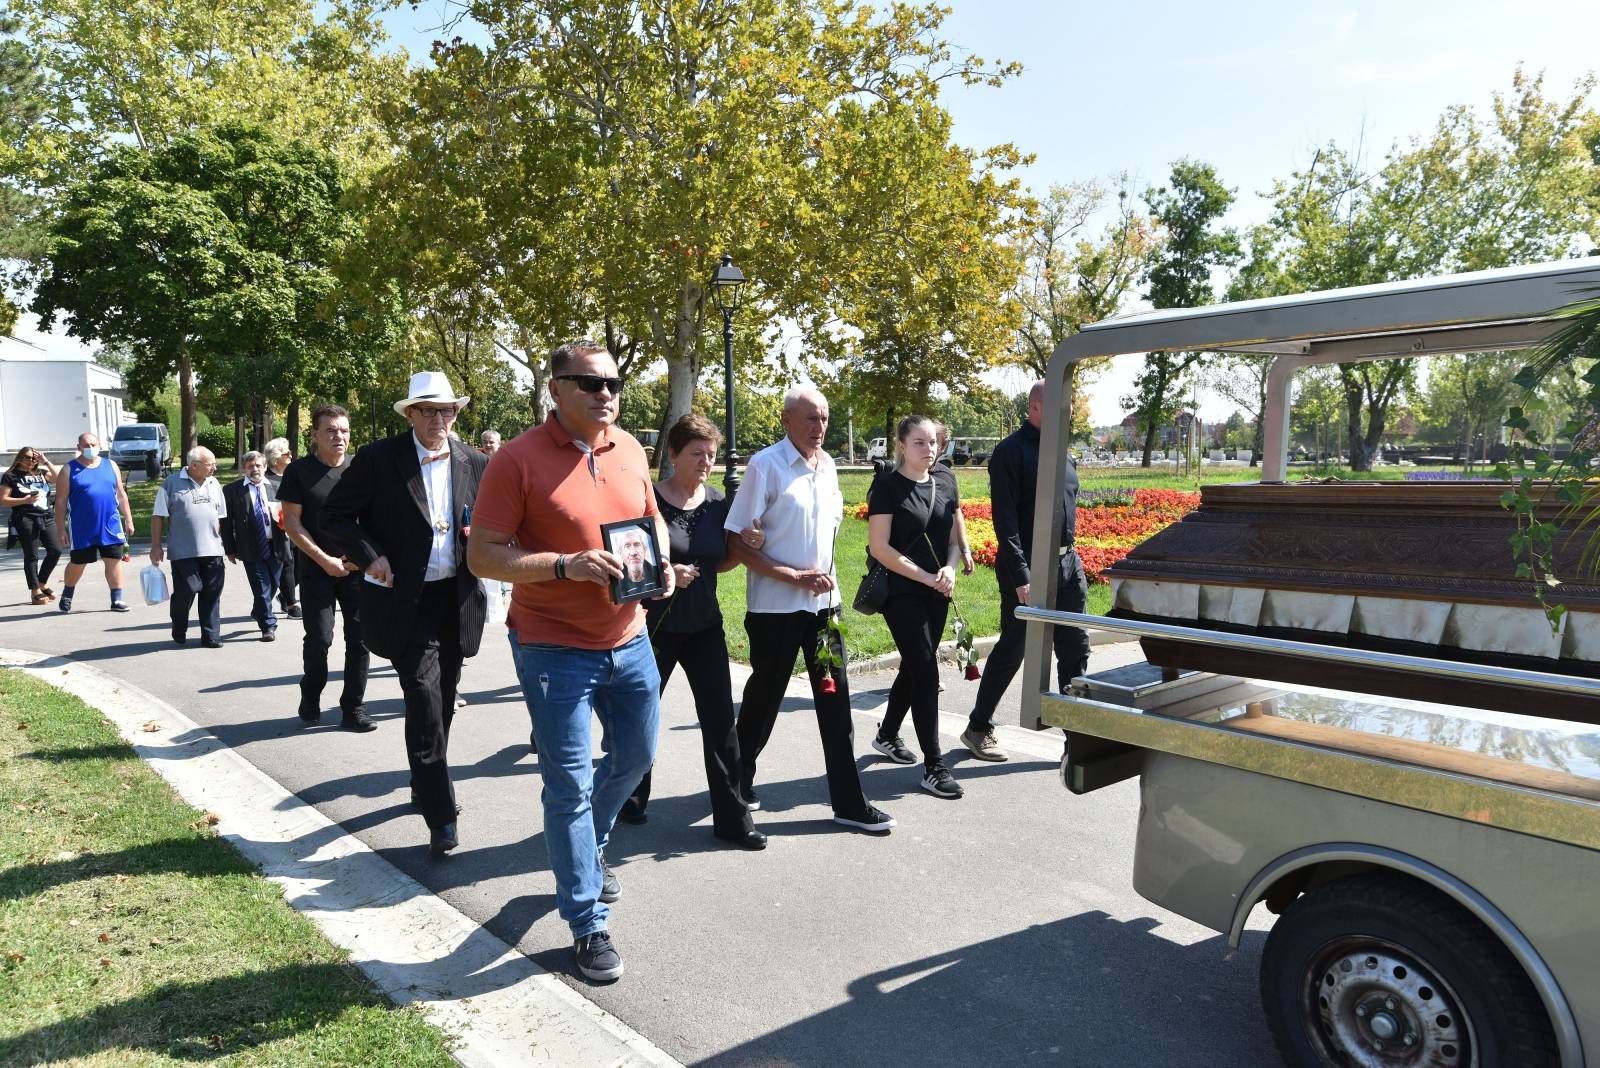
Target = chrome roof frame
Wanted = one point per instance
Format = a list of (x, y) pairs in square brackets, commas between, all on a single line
[(1513, 307)]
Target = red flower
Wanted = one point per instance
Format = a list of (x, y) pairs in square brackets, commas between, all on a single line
[(828, 685), (973, 674)]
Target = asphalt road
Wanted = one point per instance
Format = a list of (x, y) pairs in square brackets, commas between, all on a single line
[(1000, 929)]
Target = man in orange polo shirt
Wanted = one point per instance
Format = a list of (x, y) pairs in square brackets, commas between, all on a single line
[(549, 490)]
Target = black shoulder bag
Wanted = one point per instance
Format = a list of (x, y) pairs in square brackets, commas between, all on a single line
[(874, 588)]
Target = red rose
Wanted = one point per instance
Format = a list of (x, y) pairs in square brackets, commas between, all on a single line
[(973, 674), (828, 685)]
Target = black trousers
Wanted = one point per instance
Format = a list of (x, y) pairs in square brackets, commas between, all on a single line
[(1071, 644), (202, 577), (319, 593), (36, 532), (288, 585), (430, 670), (703, 655), (775, 638), (916, 621)]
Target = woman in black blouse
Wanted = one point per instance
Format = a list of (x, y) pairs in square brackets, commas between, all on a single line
[(28, 489), (911, 530), (686, 629)]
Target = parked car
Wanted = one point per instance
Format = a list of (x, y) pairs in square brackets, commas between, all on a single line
[(142, 446), (878, 449)]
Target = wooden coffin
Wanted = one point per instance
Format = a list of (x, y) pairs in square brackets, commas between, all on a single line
[(1423, 568)]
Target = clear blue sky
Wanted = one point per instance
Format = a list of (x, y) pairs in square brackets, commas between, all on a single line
[(1253, 88)]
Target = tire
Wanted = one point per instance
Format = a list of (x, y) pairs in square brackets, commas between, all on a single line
[(1385, 955)]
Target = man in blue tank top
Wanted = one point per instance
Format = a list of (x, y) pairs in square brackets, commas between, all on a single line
[(101, 519)]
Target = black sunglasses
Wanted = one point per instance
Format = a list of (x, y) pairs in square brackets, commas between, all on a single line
[(593, 383)]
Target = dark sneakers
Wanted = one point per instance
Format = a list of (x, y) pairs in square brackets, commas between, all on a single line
[(893, 748), (357, 720), (872, 821), (598, 959), (610, 888), (938, 781)]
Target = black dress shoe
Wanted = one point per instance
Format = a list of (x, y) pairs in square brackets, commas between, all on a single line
[(180, 639), (293, 611), (416, 803), (633, 814), (210, 643), (442, 839), (751, 839), (358, 721), (270, 635)]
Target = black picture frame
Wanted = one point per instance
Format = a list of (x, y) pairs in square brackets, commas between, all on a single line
[(620, 538)]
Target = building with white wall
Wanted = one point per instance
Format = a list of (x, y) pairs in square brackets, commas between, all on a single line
[(51, 390)]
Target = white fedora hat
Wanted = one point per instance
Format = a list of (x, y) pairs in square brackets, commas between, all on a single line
[(430, 387)]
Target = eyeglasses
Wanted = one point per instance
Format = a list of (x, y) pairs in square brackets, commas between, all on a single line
[(433, 413), (593, 383)]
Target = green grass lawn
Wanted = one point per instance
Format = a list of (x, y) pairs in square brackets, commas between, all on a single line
[(130, 933)]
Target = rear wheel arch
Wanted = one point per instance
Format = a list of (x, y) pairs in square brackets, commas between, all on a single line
[(1284, 880)]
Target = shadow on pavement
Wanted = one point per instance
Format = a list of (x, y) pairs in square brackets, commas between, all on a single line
[(1056, 993)]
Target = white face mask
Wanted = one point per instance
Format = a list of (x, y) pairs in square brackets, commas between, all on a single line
[(90, 451)]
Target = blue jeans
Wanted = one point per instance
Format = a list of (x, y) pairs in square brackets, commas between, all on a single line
[(263, 575), (563, 686)]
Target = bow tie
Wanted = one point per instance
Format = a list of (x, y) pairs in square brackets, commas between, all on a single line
[(426, 460)]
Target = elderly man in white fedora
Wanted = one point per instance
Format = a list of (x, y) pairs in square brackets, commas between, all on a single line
[(401, 515)]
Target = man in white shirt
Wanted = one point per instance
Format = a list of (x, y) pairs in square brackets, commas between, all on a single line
[(190, 509), (401, 514), (790, 495)]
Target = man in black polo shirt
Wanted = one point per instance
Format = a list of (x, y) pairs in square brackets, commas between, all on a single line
[(327, 578), (1013, 477)]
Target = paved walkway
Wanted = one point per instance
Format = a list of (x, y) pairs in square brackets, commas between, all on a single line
[(996, 929)]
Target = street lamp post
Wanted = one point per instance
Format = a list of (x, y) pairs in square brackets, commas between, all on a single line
[(727, 286)]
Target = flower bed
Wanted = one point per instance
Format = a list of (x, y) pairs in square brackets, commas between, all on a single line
[(1110, 523)]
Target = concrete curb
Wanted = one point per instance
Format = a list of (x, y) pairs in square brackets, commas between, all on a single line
[(947, 650), (498, 1007)]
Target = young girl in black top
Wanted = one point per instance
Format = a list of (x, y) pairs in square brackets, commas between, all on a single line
[(686, 630), (28, 489), (911, 531)]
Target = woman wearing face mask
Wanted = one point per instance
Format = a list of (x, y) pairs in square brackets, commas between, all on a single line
[(911, 531), (686, 629), (28, 489)]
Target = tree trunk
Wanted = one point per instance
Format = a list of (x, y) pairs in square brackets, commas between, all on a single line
[(293, 429), (238, 433), (682, 348), (1359, 461), (187, 429), (1149, 442)]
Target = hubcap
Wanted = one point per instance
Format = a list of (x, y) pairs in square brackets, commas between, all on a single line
[(1372, 1004)]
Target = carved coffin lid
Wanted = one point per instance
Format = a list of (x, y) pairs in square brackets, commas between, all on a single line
[(1438, 541)]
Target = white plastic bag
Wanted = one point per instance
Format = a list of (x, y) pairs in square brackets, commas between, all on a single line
[(154, 583)]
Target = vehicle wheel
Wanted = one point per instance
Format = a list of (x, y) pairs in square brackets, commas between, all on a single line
[(1383, 970)]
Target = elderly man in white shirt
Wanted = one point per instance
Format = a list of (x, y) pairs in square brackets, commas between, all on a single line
[(785, 516)]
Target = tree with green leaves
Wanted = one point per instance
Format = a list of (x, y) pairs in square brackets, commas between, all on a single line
[(1521, 186), (22, 107), (1187, 211), (217, 256), (145, 74), (1075, 274), (599, 155)]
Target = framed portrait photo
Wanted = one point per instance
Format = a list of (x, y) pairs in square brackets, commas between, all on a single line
[(633, 542)]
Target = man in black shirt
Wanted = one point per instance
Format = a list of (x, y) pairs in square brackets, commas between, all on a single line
[(327, 577), (1013, 475)]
